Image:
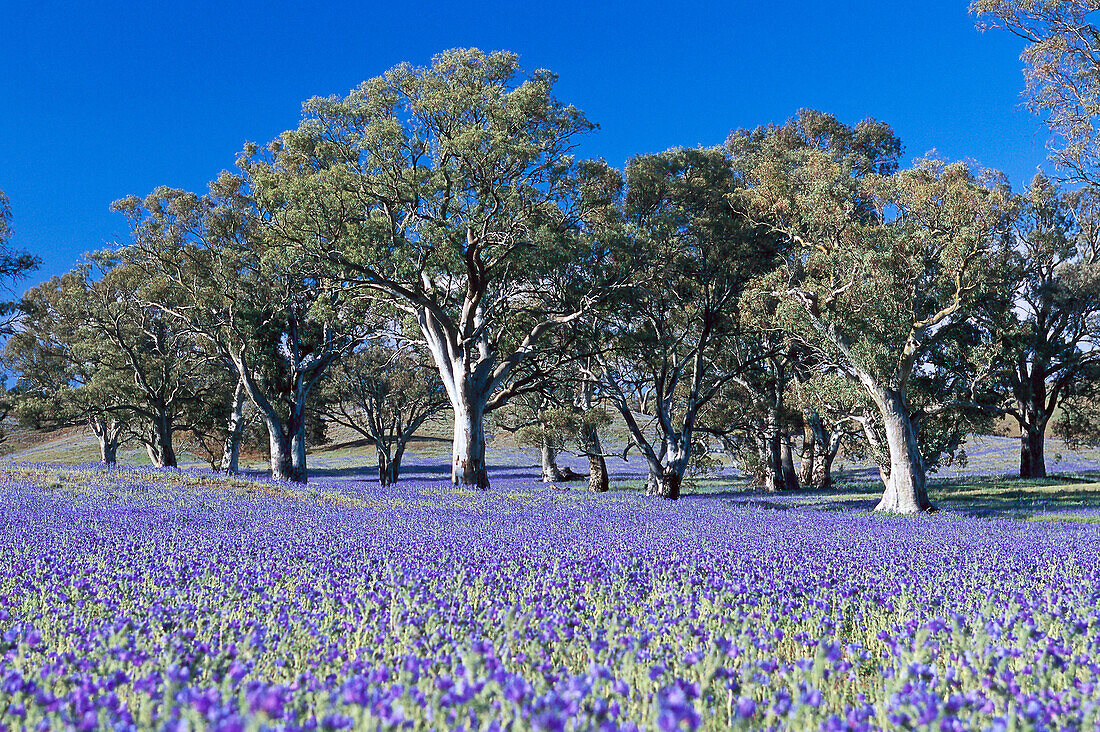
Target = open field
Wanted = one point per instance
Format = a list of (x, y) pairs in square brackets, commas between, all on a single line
[(143, 599)]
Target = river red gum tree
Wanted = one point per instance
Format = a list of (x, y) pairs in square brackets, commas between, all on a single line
[(449, 191), (884, 264)]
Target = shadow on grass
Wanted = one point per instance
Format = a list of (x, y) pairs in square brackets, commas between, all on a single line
[(1058, 498), (1054, 498)]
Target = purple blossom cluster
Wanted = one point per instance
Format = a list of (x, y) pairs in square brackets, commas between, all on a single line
[(173, 600)]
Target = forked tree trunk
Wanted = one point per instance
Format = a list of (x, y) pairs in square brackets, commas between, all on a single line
[(395, 464), (389, 466), (665, 481), (108, 435), (231, 451), (287, 450), (108, 452), (906, 490), (385, 475), (826, 447)]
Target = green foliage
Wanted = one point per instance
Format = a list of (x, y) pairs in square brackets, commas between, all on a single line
[(450, 187), (1061, 64)]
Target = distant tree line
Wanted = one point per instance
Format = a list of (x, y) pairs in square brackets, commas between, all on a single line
[(430, 243)]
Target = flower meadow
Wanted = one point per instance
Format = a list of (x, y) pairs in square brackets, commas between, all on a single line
[(172, 600)]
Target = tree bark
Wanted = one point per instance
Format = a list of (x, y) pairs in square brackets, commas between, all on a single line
[(808, 456), (107, 435), (1032, 417), (773, 457), (287, 450), (597, 465), (906, 490), (384, 472), (790, 476), (395, 464), (1033, 463), (162, 453), (826, 447), (549, 458), (231, 452), (665, 481), (468, 447)]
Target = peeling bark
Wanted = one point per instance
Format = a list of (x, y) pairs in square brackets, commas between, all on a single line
[(548, 455), (906, 490), (109, 435), (468, 448), (231, 451)]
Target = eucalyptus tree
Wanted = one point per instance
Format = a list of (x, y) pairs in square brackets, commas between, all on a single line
[(171, 375), (450, 190), (14, 264), (385, 393), (669, 336), (65, 374), (1047, 319), (885, 264), (260, 308), (1062, 73)]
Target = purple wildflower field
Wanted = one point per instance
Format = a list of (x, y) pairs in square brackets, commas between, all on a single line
[(138, 599)]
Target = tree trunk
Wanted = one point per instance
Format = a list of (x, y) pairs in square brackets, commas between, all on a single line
[(279, 451), (823, 471), (597, 465), (383, 467), (790, 477), (807, 459), (666, 481), (298, 453), (108, 451), (231, 452), (107, 435), (287, 451), (1033, 462), (468, 447), (760, 443), (549, 456), (826, 447), (906, 491), (162, 454), (773, 456), (395, 464)]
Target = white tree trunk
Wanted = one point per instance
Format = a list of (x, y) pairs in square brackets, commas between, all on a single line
[(108, 435), (548, 455), (279, 450), (231, 452), (666, 479), (468, 447), (906, 491)]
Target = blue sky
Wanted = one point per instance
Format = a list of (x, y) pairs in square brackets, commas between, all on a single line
[(97, 102)]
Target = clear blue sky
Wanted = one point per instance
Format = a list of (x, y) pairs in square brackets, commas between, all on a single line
[(99, 102)]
